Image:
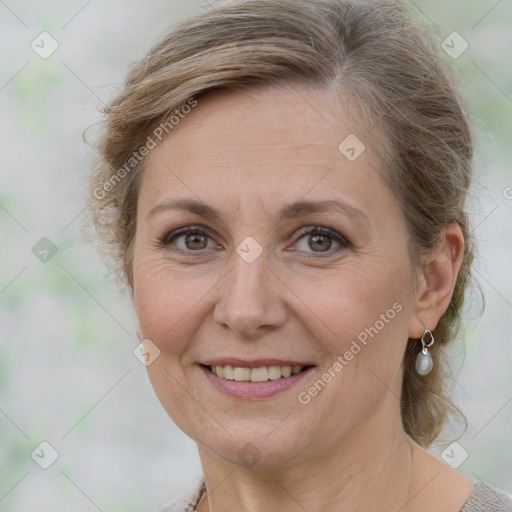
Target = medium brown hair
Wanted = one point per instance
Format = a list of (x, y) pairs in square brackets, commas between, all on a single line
[(372, 51)]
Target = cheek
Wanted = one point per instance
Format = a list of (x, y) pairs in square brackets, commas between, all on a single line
[(366, 311), (354, 297), (166, 302), (363, 313)]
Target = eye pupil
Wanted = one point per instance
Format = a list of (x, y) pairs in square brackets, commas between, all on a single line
[(317, 239), (195, 239)]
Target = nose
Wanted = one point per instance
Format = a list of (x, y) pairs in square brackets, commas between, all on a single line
[(251, 299)]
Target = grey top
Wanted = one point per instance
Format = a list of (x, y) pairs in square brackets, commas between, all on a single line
[(486, 498), (483, 498)]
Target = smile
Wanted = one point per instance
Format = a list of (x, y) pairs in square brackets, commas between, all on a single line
[(261, 374), (255, 382)]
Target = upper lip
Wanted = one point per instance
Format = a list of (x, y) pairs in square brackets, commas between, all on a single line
[(253, 363)]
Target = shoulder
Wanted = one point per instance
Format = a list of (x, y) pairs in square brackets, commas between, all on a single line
[(485, 497), (186, 502)]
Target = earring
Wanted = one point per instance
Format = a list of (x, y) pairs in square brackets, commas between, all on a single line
[(424, 362)]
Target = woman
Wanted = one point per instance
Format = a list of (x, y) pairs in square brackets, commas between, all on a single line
[(282, 185)]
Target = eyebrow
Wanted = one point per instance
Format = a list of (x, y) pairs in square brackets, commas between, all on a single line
[(293, 210)]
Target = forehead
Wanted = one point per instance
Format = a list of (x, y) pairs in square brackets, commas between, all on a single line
[(274, 143), (272, 118)]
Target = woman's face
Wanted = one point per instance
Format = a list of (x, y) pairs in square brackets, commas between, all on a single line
[(255, 289)]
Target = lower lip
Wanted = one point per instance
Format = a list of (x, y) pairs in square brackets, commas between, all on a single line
[(245, 390)]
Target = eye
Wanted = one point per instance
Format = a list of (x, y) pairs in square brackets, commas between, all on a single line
[(196, 239), (319, 240), (191, 238)]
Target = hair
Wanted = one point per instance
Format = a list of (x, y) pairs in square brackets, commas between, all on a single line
[(371, 50)]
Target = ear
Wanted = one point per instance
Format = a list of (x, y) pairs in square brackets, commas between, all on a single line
[(436, 281)]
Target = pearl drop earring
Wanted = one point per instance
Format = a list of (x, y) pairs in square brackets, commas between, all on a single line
[(424, 362)]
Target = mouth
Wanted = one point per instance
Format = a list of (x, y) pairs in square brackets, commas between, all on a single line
[(258, 374), (255, 379)]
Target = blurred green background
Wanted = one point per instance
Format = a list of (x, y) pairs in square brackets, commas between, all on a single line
[(67, 372)]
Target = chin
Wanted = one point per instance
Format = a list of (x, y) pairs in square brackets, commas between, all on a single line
[(258, 444)]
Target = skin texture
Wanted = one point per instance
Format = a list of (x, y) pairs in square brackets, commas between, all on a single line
[(247, 155)]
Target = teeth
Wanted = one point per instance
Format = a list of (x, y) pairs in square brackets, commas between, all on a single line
[(261, 374), (274, 372), (229, 372), (242, 373)]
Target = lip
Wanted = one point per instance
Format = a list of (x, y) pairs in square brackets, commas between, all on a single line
[(254, 363), (245, 390)]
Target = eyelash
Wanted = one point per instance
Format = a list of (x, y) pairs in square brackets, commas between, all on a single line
[(166, 241)]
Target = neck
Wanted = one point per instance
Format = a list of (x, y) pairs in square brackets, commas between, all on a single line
[(371, 469)]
